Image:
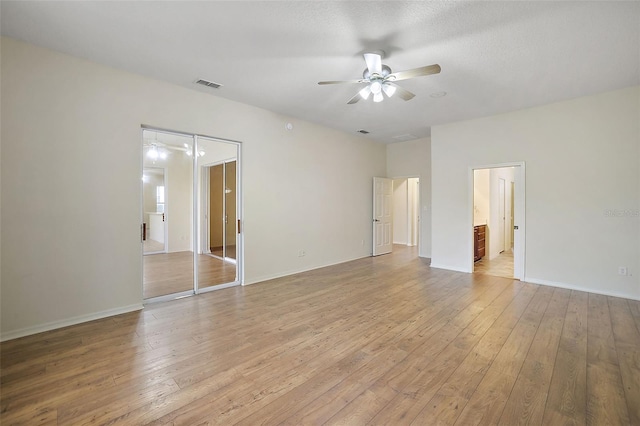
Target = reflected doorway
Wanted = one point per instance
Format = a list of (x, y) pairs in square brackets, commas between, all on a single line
[(222, 210), (154, 219)]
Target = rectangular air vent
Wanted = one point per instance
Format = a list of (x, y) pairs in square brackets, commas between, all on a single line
[(404, 138), (209, 84), (364, 132)]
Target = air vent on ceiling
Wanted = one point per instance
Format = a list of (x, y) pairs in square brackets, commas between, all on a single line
[(209, 84), (364, 132), (404, 138)]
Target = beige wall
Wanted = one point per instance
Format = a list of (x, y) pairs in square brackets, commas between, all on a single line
[(71, 131), (582, 163)]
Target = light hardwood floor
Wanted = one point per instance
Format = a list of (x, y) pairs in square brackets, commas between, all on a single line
[(383, 340), (500, 266)]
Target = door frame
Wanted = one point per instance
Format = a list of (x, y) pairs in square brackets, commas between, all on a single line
[(519, 204), (417, 212)]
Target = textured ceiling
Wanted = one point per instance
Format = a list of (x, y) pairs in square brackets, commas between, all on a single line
[(495, 56)]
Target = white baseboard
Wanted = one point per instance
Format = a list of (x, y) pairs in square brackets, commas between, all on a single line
[(27, 331), (578, 288), (297, 271), (447, 267)]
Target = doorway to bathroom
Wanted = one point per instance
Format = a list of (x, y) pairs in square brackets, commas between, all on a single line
[(498, 221)]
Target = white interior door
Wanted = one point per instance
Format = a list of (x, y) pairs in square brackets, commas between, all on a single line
[(382, 216)]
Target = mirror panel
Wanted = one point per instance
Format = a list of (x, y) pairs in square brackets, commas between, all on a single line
[(169, 270), (217, 213)]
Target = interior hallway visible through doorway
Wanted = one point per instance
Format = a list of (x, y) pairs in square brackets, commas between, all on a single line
[(499, 266)]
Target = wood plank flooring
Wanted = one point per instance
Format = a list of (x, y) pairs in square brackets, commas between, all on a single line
[(383, 340), (500, 266)]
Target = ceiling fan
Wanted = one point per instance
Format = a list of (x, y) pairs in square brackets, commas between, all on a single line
[(380, 79)]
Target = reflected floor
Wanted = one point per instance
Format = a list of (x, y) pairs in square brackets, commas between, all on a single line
[(151, 246), (167, 273)]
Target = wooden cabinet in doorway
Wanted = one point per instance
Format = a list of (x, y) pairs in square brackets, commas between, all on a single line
[(479, 236)]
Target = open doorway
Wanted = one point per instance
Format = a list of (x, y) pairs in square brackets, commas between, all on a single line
[(406, 211), (493, 221)]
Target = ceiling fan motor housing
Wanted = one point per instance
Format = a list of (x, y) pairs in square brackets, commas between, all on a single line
[(385, 72)]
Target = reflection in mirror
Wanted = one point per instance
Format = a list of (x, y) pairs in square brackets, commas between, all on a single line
[(167, 213), (153, 195), (217, 213), (230, 209)]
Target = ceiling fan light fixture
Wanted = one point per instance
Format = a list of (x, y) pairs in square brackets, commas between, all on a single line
[(389, 90), (376, 87), (381, 80), (365, 92)]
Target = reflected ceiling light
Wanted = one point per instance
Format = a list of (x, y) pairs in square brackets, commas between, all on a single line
[(201, 153), (155, 153)]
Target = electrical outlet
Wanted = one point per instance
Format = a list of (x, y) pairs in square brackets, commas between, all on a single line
[(622, 270)]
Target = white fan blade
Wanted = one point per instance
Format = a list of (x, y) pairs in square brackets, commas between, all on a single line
[(355, 99), (342, 81), (416, 72), (362, 94), (374, 63), (389, 89)]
